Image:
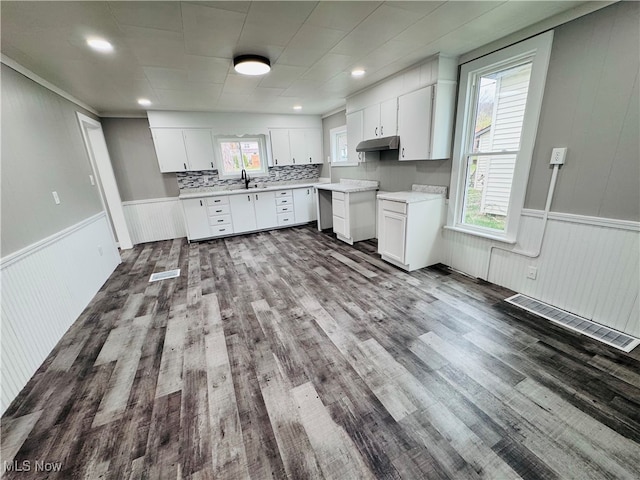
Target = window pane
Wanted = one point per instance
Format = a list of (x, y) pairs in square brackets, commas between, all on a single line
[(341, 148), (487, 190), (501, 101), (251, 156), (231, 157)]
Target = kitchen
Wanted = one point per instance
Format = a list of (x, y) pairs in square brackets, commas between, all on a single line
[(317, 329)]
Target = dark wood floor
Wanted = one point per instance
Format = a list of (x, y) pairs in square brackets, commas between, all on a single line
[(288, 354)]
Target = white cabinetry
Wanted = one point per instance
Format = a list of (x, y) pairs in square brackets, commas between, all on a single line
[(243, 213), (381, 119), (296, 146), (304, 205), (414, 124), (425, 120), (355, 136), (195, 215), (354, 215), (180, 149), (265, 209), (410, 234)]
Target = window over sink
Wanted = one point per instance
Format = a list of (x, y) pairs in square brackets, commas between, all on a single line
[(237, 153)]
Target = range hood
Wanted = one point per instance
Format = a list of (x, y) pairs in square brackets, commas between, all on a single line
[(379, 144)]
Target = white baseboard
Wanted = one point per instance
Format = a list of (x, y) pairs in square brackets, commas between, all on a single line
[(154, 219), (45, 287)]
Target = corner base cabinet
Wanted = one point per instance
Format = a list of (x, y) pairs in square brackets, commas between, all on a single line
[(410, 233)]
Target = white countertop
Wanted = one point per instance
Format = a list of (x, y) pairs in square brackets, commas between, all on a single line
[(350, 186), (410, 197), (216, 191)]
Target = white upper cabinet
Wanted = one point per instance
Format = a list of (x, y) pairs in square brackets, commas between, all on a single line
[(414, 124), (381, 119), (296, 146), (181, 150), (170, 149), (198, 143)]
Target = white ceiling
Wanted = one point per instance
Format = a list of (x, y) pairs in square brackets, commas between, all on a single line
[(179, 54)]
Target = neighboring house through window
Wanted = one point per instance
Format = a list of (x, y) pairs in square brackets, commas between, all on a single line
[(241, 153), (498, 107)]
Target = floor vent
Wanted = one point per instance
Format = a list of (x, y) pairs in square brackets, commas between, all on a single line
[(616, 339), (164, 275)]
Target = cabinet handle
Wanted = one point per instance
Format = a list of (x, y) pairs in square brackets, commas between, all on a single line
[(294, 160), (307, 191), (256, 196), (221, 220), (249, 197), (310, 160), (381, 127), (376, 131), (185, 166), (216, 201), (212, 165), (200, 202), (276, 161), (402, 152), (218, 211), (222, 229)]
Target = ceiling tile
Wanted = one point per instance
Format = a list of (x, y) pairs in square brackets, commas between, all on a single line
[(242, 7), (281, 76), (320, 38), (190, 99), (240, 84), (160, 15), (279, 12), (418, 7), (341, 15), (158, 48), (210, 32), (207, 69), (278, 32), (300, 57), (329, 66), (167, 78)]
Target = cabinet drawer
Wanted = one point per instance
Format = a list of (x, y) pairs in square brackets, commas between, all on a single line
[(220, 209), (220, 220), (398, 207), (221, 230), (222, 200), (284, 201), (283, 193), (337, 195), (285, 208), (339, 226), (285, 218), (338, 208)]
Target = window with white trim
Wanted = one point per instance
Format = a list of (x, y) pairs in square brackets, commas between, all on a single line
[(241, 153), (339, 149), (498, 109)]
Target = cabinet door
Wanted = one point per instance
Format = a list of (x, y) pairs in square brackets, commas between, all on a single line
[(280, 151), (393, 235), (243, 214), (389, 118), (298, 146), (195, 215), (313, 141), (414, 124), (304, 205), (265, 207), (371, 122), (199, 146), (169, 143), (354, 135)]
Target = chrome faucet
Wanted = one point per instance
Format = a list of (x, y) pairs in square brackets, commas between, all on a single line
[(244, 176)]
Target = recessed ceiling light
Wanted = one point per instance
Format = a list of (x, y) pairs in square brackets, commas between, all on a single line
[(297, 107), (357, 73), (100, 45), (251, 64), (145, 102)]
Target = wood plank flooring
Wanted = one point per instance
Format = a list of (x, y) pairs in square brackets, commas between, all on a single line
[(288, 354)]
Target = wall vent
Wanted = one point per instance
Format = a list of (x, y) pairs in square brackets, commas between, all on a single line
[(607, 335), (164, 275)]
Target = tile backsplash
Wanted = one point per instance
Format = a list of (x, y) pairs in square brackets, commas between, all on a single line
[(209, 178)]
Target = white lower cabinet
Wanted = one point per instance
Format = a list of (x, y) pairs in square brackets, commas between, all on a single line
[(410, 234), (354, 215), (254, 210), (243, 213), (304, 205)]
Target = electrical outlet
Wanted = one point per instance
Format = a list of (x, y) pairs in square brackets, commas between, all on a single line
[(277, 174), (532, 272), (558, 155), (56, 198)]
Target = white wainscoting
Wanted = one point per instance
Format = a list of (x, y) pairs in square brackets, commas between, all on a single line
[(154, 220), (45, 287), (588, 266)]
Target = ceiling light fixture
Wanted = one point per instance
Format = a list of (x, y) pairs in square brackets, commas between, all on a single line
[(100, 45), (251, 64), (357, 73), (144, 102), (297, 107)]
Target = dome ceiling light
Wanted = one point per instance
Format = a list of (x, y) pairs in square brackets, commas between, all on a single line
[(251, 64)]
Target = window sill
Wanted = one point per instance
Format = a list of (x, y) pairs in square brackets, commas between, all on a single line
[(488, 236)]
